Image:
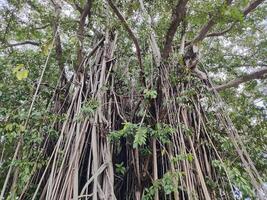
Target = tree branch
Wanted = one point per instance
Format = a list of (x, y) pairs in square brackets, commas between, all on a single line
[(178, 15), (252, 6), (41, 27), (249, 9), (24, 43), (205, 29), (153, 42), (77, 6), (58, 45), (86, 11), (80, 33), (260, 74), (222, 32), (132, 36)]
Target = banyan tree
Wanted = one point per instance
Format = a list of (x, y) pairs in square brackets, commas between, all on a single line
[(126, 99)]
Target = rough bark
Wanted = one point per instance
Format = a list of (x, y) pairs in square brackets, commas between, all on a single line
[(178, 15)]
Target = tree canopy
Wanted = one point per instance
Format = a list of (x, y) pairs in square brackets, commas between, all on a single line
[(133, 99)]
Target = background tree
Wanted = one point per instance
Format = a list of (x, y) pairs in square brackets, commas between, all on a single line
[(119, 99)]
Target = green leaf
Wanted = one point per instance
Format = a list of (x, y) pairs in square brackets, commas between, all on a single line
[(22, 74), (46, 47), (17, 68), (120, 169), (140, 137), (236, 14), (150, 94)]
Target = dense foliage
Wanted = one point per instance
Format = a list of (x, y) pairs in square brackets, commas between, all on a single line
[(148, 99)]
